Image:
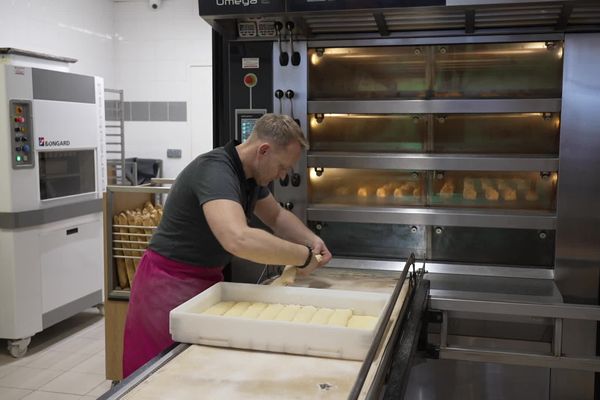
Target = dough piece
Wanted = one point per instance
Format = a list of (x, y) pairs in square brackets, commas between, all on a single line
[(363, 192), (491, 193), (288, 313), (254, 310), (531, 196), (509, 194), (321, 316), (398, 193), (469, 193), (382, 192), (305, 314), (486, 183), (287, 277), (502, 185), (270, 312), (406, 189), (340, 317), (447, 190), (219, 308), (342, 191), (238, 309), (362, 322)]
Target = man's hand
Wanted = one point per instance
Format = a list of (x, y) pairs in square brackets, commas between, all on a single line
[(315, 262), (319, 247)]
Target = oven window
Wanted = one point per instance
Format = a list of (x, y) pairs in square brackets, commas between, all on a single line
[(66, 173), (368, 187), (368, 132)]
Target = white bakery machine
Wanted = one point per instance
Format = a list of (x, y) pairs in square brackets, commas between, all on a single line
[(52, 175)]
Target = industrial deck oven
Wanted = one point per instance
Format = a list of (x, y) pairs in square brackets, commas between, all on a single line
[(463, 131)]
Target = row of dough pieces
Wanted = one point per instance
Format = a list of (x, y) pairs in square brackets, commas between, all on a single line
[(490, 192), (389, 189), (292, 313)]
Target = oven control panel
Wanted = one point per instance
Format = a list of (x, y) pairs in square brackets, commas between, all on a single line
[(21, 134)]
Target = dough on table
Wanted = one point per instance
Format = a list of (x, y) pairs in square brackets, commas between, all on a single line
[(362, 322), (287, 277), (305, 314), (340, 317), (270, 312), (220, 308), (321, 316), (238, 309), (287, 313), (254, 310)]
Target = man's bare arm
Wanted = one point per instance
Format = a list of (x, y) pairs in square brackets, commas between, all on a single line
[(228, 223)]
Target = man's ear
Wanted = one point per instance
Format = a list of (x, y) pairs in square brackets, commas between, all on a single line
[(263, 148)]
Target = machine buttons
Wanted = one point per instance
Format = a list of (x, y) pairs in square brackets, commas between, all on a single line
[(296, 179), (250, 80), (285, 181), (247, 29), (21, 128), (266, 28)]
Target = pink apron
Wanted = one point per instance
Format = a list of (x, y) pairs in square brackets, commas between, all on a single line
[(160, 285)]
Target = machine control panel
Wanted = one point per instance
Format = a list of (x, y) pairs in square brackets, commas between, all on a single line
[(244, 122), (22, 134)]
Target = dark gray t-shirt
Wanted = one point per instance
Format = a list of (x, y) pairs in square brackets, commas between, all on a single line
[(183, 233)]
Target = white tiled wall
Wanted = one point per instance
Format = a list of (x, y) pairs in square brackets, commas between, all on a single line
[(81, 29), (158, 55)]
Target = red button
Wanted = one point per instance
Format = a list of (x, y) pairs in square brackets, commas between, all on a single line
[(19, 119), (250, 80)]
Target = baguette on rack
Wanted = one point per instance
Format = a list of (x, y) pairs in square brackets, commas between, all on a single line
[(120, 262), (129, 265)]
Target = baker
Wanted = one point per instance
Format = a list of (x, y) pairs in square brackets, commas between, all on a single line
[(205, 222)]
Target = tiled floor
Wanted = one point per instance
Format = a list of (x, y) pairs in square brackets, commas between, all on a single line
[(64, 362)]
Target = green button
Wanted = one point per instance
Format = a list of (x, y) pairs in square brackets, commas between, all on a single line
[(18, 158)]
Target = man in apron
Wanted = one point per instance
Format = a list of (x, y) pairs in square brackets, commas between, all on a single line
[(205, 222)]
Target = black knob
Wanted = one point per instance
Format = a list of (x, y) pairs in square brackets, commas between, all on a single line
[(279, 93), (289, 206), (289, 94), (283, 56), (23, 138), (17, 138), (295, 179), (285, 181), (296, 58), (18, 148), (283, 59), (295, 55)]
